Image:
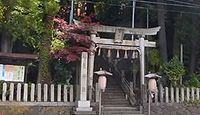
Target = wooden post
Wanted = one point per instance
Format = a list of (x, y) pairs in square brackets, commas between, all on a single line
[(45, 92), (187, 94), (11, 92), (177, 94), (161, 92), (52, 92), (172, 94), (4, 91), (197, 93), (166, 95), (65, 93), (39, 91), (59, 93), (192, 93), (182, 94), (25, 97), (71, 93), (19, 86), (32, 92)]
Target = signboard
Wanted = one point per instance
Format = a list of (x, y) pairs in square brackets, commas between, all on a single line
[(12, 73)]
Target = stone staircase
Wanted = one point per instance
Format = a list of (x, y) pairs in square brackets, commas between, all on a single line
[(114, 101)]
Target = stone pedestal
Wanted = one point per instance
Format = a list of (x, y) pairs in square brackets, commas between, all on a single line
[(83, 106)]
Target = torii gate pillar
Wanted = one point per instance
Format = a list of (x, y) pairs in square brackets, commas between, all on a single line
[(142, 59)]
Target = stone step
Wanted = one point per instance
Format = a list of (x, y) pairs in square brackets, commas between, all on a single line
[(125, 105), (121, 112), (116, 105), (108, 97), (120, 96), (120, 109), (115, 102), (113, 94), (113, 90), (114, 99)]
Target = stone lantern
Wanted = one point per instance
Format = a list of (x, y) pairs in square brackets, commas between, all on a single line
[(152, 83), (152, 87), (102, 81)]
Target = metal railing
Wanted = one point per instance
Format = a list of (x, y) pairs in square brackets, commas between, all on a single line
[(127, 87)]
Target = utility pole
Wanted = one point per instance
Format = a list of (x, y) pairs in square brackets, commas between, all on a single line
[(133, 16), (71, 12), (181, 59)]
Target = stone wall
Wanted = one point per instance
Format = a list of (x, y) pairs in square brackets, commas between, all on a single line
[(174, 109), (34, 110)]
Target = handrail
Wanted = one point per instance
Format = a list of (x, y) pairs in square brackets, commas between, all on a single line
[(125, 86)]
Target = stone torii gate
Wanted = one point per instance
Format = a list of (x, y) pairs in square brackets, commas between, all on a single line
[(118, 43)]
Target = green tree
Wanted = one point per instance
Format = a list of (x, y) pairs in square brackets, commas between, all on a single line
[(174, 70), (31, 22), (6, 40)]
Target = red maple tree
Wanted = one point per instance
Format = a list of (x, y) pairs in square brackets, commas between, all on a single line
[(76, 38)]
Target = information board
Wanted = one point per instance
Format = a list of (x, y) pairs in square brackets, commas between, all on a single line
[(12, 73)]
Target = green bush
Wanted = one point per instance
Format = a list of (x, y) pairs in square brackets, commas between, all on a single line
[(62, 72), (174, 70), (194, 81)]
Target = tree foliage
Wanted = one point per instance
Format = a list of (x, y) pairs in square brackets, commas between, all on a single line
[(31, 22), (70, 41), (194, 81), (174, 70), (2, 8), (27, 20)]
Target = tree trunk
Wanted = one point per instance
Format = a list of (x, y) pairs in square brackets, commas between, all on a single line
[(162, 33), (6, 41), (44, 75), (193, 58), (195, 46), (44, 59)]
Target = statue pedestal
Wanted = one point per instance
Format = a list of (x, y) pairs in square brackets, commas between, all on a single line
[(83, 106)]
